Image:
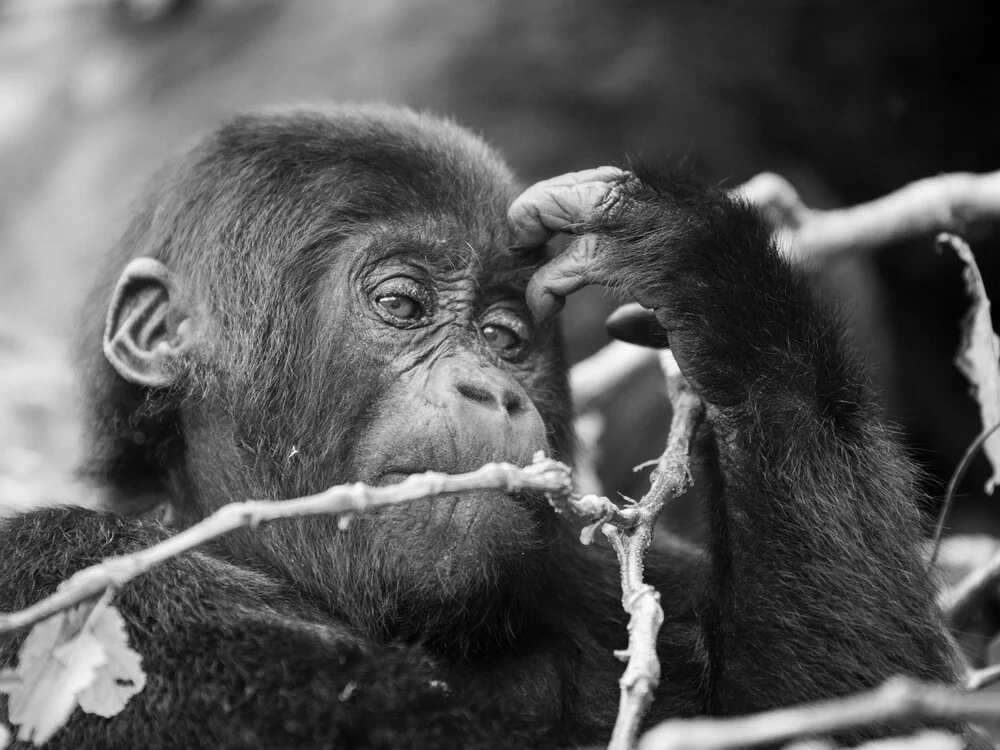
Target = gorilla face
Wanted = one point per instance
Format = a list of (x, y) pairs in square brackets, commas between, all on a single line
[(379, 330)]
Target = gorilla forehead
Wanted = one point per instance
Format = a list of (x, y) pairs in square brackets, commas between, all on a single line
[(356, 165), (449, 247), (270, 185)]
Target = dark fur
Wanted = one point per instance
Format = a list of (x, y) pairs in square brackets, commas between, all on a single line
[(297, 635)]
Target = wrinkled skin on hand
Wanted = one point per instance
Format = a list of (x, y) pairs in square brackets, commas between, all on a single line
[(562, 205)]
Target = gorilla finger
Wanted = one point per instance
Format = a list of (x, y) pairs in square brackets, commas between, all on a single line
[(560, 277), (636, 324), (555, 205)]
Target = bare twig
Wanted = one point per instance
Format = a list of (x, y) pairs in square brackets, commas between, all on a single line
[(588, 428), (595, 511), (545, 475), (935, 204), (983, 678), (603, 373), (630, 531), (898, 700), (929, 739), (964, 599), (953, 483)]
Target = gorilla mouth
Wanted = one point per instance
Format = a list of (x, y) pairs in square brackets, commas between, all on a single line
[(394, 475)]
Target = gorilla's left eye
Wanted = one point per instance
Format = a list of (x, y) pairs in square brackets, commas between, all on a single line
[(501, 338), (506, 332)]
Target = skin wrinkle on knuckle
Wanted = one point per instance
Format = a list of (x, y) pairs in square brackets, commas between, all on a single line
[(585, 250), (526, 224), (575, 198), (555, 218), (591, 195)]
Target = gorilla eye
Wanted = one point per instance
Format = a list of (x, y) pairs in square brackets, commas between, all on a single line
[(401, 302), (400, 306), (507, 333), (501, 338)]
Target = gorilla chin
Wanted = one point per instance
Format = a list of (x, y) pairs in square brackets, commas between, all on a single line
[(488, 524)]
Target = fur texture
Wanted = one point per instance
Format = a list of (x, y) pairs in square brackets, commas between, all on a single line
[(298, 635)]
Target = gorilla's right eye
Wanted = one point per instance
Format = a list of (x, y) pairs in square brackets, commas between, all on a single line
[(400, 306), (400, 302)]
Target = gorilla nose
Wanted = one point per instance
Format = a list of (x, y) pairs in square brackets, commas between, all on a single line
[(486, 413), (491, 393)]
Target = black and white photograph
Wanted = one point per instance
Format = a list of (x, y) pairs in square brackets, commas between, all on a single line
[(499, 374)]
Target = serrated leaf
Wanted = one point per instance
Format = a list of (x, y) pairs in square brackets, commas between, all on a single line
[(76, 657), (979, 353)]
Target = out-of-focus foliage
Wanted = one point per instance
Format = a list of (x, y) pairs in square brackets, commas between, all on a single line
[(39, 441)]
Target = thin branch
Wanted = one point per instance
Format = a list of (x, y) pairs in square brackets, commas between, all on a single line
[(983, 678), (671, 477), (588, 428), (963, 600), (596, 512), (929, 739), (544, 475), (953, 483), (602, 374), (630, 531), (943, 203), (899, 699)]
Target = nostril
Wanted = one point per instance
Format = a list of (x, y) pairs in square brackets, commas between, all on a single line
[(475, 393), (512, 402)]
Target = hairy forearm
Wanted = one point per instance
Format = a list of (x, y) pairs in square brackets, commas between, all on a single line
[(819, 585)]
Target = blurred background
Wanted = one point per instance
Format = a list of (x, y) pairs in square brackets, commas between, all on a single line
[(848, 100)]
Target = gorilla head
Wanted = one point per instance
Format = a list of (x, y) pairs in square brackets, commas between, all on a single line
[(307, 299)]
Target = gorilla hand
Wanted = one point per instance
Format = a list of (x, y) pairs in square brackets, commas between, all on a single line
[(563, 204), (704, 262), (814, 495)]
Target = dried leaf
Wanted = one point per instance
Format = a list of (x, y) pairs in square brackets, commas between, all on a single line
[(77, 657), (44, 694), (121, 675), (979, 354)]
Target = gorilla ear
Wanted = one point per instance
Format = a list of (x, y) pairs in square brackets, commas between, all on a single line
[(147, 326), (635, 324)]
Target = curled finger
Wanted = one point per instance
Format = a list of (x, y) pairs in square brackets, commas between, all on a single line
[(557, 204), (565, 274)]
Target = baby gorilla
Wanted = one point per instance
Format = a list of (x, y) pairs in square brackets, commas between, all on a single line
[(315, 297)]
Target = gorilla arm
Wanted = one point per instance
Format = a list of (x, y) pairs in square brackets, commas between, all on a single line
[(818, 587), (232, 661)]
